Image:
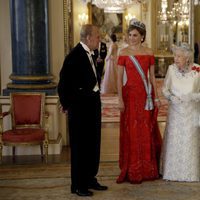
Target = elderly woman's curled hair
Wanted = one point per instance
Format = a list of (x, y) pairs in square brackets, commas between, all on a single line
[(186, 49)]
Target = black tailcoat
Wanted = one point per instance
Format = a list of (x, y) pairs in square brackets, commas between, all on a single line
[(102, 52), (76, 94)]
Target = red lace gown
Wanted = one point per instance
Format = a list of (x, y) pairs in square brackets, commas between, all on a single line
[(140, 139)]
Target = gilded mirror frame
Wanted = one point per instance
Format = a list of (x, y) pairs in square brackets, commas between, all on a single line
[(68, 25)]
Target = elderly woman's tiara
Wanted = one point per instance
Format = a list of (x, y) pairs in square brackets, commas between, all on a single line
[(137, 23), (183, 46)]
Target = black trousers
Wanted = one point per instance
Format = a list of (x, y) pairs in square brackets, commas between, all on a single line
[(84, 118)]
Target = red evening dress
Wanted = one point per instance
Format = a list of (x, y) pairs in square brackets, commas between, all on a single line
[(140, 139)]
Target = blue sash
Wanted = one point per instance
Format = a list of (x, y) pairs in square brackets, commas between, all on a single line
[(147, 84)]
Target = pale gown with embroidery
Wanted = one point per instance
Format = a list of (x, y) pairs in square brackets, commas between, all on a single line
[(181, 147), (109, 82)]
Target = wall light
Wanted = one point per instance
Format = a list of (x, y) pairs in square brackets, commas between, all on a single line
[(128, 17), (83, 19)]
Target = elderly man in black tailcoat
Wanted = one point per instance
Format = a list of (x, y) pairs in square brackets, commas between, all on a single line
[(79, 93)]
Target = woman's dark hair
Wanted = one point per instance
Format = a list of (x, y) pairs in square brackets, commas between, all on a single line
[(140, 30), (113, 37)]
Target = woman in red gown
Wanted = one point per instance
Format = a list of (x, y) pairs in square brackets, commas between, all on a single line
[(140, 139)]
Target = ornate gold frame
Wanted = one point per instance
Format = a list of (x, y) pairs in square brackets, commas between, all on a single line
[(68, 25)]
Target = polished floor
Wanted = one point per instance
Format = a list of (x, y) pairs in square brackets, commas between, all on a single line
[(36, 159), (32, 180)]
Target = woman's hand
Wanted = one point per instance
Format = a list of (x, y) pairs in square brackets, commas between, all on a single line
[(175, 100), (190, 97), (185, 98), (157, 102)]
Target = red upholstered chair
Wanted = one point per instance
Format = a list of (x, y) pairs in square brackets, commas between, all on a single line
[(29, 122)]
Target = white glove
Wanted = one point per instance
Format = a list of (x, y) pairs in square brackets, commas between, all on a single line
[(166, 93), (199, 121), (186, 97), (175, 100), (195, 97)]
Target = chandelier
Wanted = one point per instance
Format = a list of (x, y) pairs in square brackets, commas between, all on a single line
[(114, 6), (196, 2), (162, 14), (179, 11)]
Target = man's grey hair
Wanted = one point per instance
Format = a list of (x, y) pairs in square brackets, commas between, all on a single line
[(86, 30)]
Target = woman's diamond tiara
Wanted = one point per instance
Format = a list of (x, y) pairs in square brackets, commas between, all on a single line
[(137, 23), (182, 46)]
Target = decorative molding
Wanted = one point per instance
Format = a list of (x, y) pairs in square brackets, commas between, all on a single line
[(31, 86), (191, 22), (31, 78), (154, 10)]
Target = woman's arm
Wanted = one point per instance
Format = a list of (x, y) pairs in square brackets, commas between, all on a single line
[(109, 52), (153, 82), (166, 86), (166, 89), (120, 85)]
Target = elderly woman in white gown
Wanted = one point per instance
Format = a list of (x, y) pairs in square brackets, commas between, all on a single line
[(181, 147)]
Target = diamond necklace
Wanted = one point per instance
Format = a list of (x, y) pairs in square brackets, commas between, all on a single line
[(184, 70)]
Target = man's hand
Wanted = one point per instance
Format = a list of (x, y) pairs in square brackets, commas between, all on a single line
[(61, 109)]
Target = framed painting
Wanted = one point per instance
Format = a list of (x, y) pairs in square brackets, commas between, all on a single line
[(107, 22)]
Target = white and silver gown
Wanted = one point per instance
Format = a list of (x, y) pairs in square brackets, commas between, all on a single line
[(181, 145)]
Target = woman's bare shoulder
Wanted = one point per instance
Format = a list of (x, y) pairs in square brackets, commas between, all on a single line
[(123, 52)]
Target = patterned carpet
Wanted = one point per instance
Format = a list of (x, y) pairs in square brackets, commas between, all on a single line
[(110, 112), (52, 182)]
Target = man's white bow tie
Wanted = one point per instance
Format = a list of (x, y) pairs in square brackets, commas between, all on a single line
[(90, 52)]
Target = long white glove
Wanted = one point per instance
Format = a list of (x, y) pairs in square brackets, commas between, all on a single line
[(175, 100), (190, 97), (196, 97), (186, 97)]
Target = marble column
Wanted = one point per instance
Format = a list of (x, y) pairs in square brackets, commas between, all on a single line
[(30, 48)]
